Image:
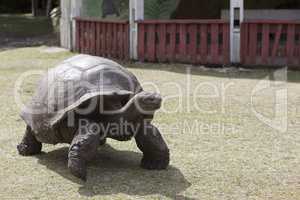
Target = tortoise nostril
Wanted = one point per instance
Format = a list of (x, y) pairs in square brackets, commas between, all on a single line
[(151, 98)]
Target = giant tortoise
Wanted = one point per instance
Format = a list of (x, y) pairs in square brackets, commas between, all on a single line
[(85, 100)]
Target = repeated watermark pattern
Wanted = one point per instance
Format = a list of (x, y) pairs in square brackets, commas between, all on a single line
[(63, 93)]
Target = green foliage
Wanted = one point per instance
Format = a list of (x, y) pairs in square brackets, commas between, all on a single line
[(124, 9), (163, 9), (15, 6), (154, 9), (159, 9), (92, 8)]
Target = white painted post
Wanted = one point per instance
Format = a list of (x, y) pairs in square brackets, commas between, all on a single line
[(65, 27), (136, 12), (236, 18), (69, 10), (76, 11)]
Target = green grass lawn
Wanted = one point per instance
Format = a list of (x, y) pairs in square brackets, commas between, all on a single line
[(24, 25), (242, 159)]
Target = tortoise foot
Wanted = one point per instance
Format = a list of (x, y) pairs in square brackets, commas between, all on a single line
[(155, 163), (78, 168), (29, 145), (29, 149)]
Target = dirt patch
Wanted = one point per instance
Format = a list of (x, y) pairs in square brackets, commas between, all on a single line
[(12, 43)]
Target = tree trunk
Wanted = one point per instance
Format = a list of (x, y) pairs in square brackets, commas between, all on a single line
[(34, 5), (48, 7)]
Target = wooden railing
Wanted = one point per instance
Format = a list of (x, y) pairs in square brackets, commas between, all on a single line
[(187, 41), (103, 38), (270, 43), (263, 42)]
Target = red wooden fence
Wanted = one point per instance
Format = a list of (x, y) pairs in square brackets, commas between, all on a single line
[(270, 43), (188, 41), (263, 42), (103, 38)]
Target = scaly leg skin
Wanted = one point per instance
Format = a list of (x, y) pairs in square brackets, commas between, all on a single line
[(151, 143), (83, 149), (29, 145)]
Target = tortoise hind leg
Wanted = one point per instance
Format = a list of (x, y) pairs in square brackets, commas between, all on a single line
[(29, 145), (151, 143), (83, 149)]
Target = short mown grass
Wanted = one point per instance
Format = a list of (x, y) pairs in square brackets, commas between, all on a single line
[(219, 148)]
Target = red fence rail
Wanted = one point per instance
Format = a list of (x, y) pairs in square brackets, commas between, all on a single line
[(270, 43), (263, 42), (188, 41), (103, 38)]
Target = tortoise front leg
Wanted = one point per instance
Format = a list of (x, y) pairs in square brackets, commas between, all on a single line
[(83, 149), (29, 145), (151, 143)]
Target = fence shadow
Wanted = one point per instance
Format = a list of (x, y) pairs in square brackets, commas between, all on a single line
[(113, 172), (259, 73)]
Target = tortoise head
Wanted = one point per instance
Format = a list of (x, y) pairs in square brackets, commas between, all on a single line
[(148, 101)]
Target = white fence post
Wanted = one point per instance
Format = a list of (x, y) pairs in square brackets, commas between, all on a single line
[(136, 11), (69, 10), (65, 26), (76, 11), (236, 18)]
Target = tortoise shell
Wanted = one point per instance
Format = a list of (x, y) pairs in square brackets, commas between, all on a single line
[(74, 81)]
